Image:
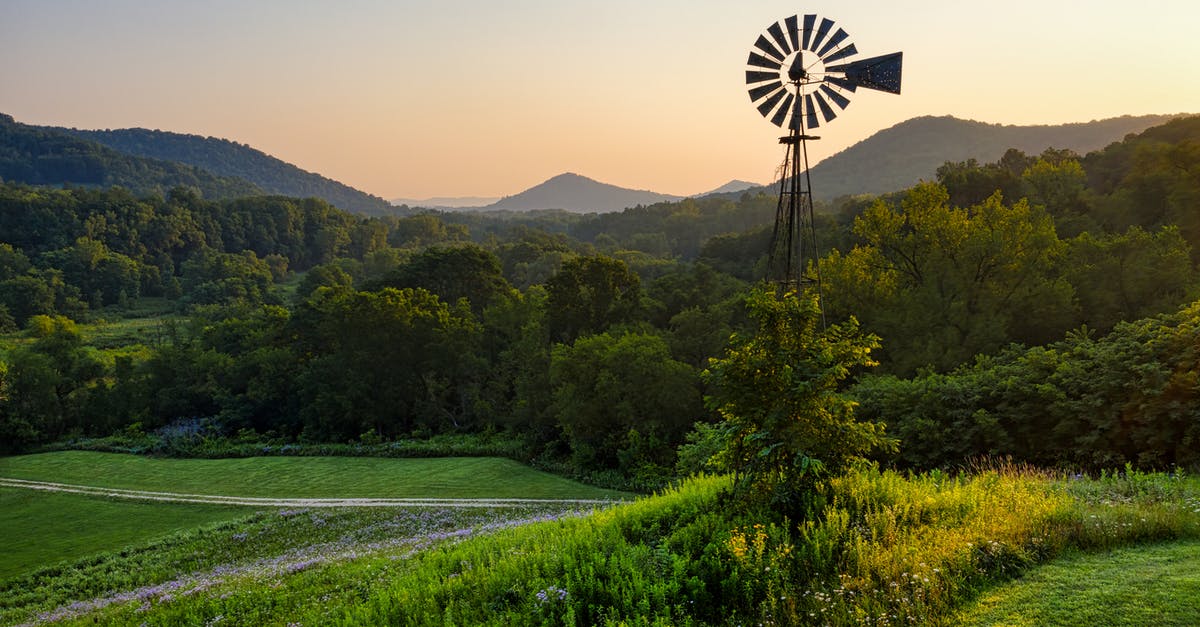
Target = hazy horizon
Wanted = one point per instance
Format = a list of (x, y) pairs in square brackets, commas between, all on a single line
[(403, 99)]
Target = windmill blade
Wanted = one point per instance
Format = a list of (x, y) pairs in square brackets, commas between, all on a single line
[(848, 51), (879, 73), (793, 31), (810, 112), (757, 60), (783, 111), (777, 34), (841, 101), (849, 86), (769, 103), (833, 42), (758, 77), (826, 111), (809, 20), (759, 92), (767, 47), (822, 30)]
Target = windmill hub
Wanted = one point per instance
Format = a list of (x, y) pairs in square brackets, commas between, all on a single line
[(803, 70)]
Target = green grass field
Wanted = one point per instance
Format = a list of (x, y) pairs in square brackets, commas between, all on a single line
[(304, 477), (1155, 585), (888, 549), (41, 528)]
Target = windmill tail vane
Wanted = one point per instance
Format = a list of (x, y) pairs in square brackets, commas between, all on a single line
[(800, 74)]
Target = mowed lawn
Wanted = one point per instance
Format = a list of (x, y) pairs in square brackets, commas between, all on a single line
[(1156, 585), (41, 528), (304, 477)]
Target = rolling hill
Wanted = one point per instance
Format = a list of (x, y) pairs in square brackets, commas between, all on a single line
[(579, 194), (900, 156), (39, 155), (227, 158)]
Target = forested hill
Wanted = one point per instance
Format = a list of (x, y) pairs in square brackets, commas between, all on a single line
[(898, 157), (45, 156), (228, 158)]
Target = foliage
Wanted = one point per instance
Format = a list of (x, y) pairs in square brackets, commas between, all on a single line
[(590, 294), (466, 271), (45, 386), (390, 361), (940, 284), (610, 416), (1129, 396), (778, 390)]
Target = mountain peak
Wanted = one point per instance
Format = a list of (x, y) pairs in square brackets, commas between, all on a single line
[(577, 193)]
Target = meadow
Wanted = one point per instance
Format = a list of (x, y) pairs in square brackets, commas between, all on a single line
[(70, 535), (884, 548)]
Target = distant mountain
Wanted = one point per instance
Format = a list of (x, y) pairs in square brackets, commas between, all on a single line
[(580, 194), (446, 202), (900, 156), (228, 158), (40, 155), (732, 187)]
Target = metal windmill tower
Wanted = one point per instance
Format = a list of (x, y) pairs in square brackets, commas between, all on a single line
[(798, 72)]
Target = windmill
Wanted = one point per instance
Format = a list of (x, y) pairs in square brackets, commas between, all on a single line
[(797, 73)]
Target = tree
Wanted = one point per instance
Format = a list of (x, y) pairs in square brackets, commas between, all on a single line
[(452, 273), (1059, 188), (391, 361), (941, 284), (1129, 275), (49, 381), (778, 392), (622, 402), (590, 294)]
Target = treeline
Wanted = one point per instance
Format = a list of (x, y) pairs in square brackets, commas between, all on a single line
[(585, 336), (577, 366)]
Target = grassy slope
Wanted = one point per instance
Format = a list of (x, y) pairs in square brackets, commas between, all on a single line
[(891, 550), (255, 546), (1150, 585), (40, 529), (296, 477)]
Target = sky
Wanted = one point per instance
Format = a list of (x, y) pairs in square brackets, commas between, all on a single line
[(415, 99)]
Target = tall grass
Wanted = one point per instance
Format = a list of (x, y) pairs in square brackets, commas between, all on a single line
[(886, 549)]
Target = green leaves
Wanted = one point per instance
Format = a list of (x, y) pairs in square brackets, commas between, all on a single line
[(778, 392), (1130, 396), (941, 283)]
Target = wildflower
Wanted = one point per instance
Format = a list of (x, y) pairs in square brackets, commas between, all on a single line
[(550, 595)]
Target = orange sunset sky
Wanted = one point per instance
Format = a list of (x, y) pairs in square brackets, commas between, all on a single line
[(458, 98)]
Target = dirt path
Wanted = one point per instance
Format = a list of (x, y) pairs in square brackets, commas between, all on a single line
[(289, 562), (174, 497)]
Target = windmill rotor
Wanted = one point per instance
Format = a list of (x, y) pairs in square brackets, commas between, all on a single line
[(811, 60)]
